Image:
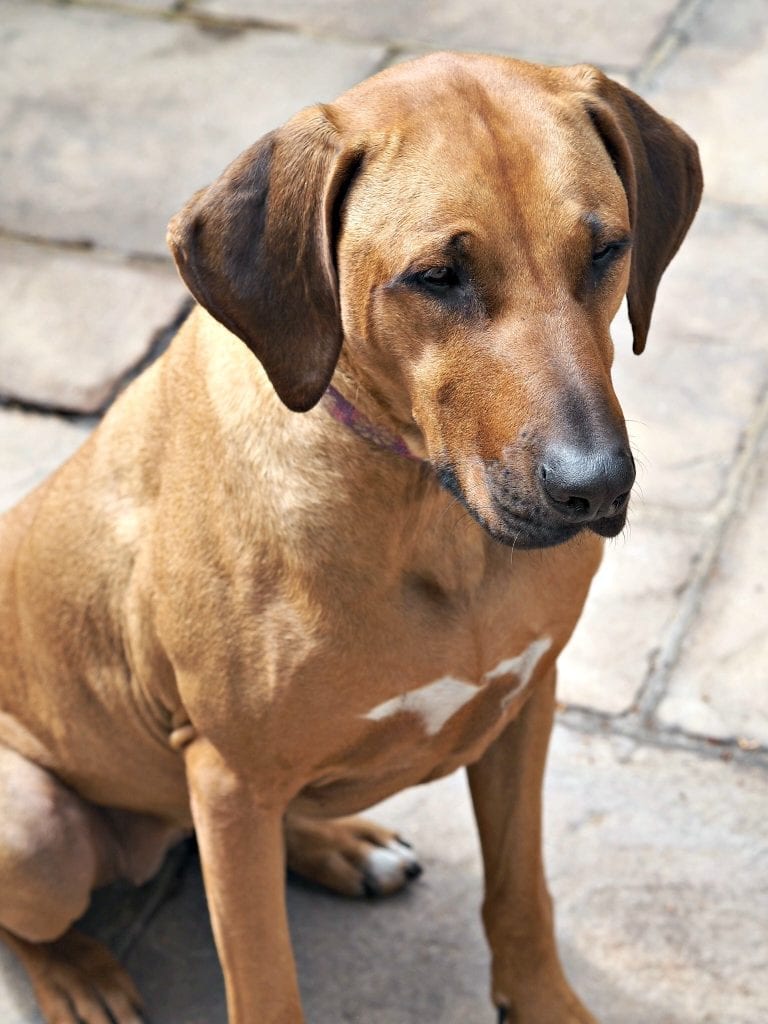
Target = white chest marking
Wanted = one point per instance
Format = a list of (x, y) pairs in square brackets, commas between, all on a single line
[(522, 666), (436, 702)]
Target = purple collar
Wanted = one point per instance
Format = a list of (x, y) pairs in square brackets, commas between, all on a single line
[(342, 410)]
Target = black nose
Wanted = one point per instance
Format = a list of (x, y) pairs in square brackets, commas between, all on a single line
[(587, 484)]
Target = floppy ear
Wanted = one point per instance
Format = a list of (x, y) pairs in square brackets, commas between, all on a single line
[(256, 249), (659, 167)]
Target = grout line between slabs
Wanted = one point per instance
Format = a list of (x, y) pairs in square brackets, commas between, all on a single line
[(602, 723), (87, 247), (672, 38)]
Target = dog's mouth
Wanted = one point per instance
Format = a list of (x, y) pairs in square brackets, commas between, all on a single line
[(521, 522)]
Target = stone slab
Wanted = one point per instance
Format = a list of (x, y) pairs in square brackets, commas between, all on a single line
[(615, 34), (31, 447), (662, 915), (716, 287), (689, 400), (74, 323), (690, 396), (109, 123), (655, 870), (720, 685), (631, 603), (716, 88)]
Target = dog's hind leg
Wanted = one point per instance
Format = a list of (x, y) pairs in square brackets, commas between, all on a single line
[(352, 856), (54, 850)]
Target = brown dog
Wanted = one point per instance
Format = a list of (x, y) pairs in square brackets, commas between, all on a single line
[(225, 614)]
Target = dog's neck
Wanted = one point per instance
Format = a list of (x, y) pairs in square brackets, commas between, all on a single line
[(345, 412)]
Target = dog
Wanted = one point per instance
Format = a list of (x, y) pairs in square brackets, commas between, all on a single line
[(268, 592)]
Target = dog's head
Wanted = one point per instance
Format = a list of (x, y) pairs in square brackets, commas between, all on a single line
[(467, 227)]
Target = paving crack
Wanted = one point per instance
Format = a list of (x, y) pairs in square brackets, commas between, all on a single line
[(671, 39), (223, 24), (68, 244), (601, 723), (87, 247), (43, 409)]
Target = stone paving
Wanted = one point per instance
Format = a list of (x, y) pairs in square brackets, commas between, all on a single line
[(111, 114)]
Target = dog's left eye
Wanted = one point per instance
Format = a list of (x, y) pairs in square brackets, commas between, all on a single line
[(606, 253)]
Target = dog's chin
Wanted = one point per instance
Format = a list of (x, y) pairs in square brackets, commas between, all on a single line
[(525, 535)]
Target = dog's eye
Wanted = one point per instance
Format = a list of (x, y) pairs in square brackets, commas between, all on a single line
[(445, 285), (606, 253), (438, 277)]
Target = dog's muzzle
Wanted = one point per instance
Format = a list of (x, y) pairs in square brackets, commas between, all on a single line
[(568, 490)]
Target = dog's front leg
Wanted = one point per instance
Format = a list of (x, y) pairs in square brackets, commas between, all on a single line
[(241, 849), (528, 984)]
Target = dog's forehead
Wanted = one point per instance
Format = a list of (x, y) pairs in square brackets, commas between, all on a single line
[(476, 121), (447, 95), (477, 144)]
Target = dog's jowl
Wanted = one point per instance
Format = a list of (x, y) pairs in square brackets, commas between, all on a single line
[(331, 543)]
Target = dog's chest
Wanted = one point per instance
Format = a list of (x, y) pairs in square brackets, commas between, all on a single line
[(431, 707), (422, 731)]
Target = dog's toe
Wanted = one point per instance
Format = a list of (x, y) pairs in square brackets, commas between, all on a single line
[(387, 869), (352, 856), (78, 981)]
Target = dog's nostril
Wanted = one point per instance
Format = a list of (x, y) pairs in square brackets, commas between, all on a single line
[(579, 506), (620, 502)]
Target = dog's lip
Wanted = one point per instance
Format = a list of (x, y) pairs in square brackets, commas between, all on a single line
[(609, 526), (524, 532), (517, 530)]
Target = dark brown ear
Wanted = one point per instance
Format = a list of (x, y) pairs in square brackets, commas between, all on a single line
[(256, 249), (659, 167)]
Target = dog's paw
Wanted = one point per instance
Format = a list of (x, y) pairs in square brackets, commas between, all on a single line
[(77, 981), (351, 856)]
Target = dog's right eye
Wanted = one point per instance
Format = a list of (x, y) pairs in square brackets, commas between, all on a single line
[(437, 278), (450, 286)]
